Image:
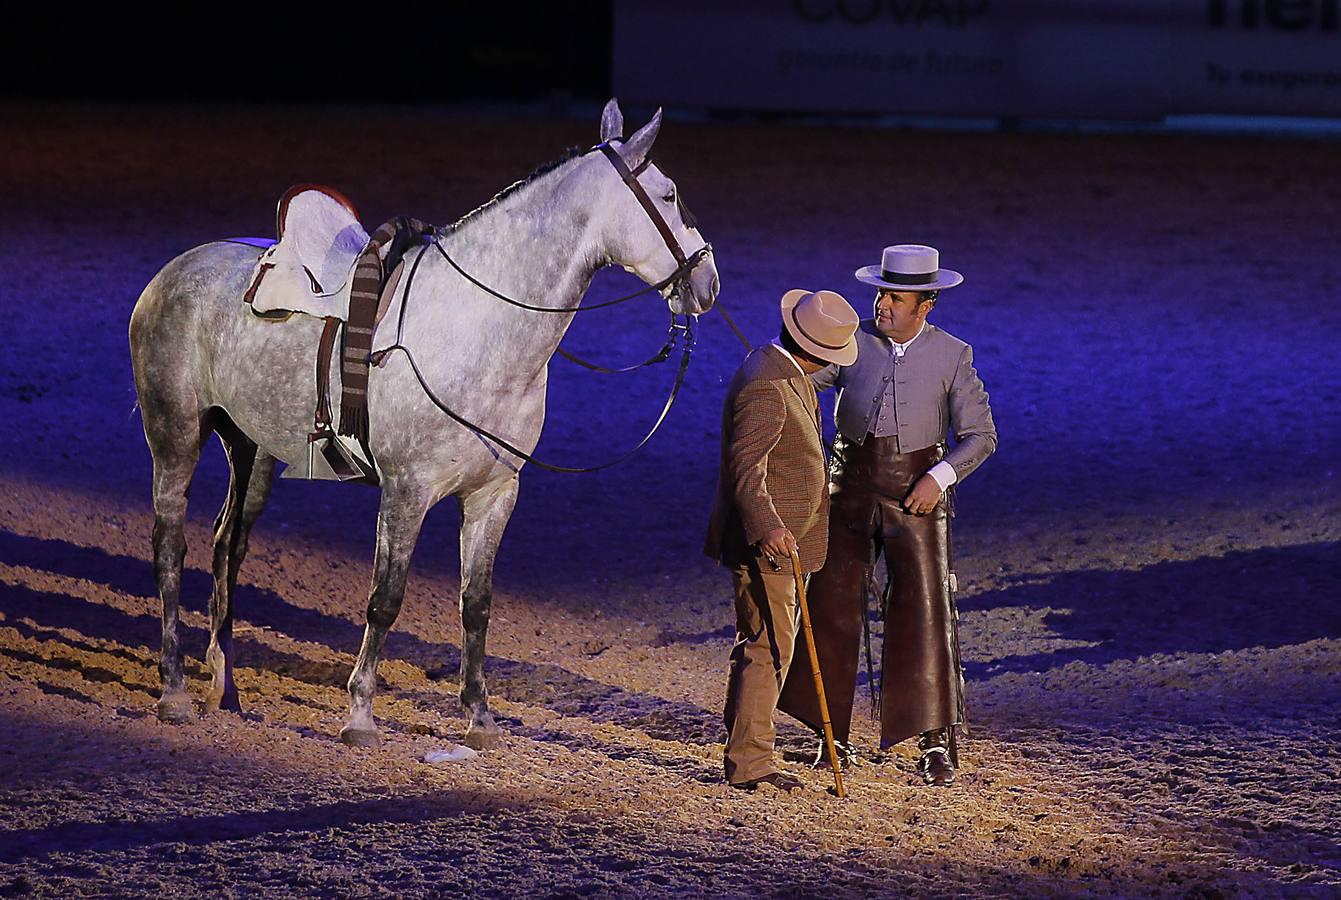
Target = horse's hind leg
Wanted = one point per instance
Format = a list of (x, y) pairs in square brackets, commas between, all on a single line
[(398, 522), (484, 515), (174, 431), (248, 489)]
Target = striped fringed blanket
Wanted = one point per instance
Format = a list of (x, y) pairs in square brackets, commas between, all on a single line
[(375, 264)]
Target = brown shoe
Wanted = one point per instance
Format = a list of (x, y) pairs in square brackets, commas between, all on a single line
[(780, 780), (935, 767)]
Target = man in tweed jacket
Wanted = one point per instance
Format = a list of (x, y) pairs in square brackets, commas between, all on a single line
[(772, 500), (912, 386)]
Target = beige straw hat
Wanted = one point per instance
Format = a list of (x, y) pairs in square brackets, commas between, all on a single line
[(823, 323)]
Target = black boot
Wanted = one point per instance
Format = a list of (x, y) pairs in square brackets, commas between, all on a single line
[(847, 754), (935, 765)]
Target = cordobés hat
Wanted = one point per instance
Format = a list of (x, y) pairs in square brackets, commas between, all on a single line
[(909, 267), (823, 323)]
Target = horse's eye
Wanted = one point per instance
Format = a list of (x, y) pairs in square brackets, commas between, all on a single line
[(670, 197)]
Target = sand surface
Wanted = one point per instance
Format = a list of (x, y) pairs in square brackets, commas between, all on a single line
[(1151, 583)]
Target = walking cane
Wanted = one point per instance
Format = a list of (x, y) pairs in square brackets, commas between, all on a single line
[(819, 681)]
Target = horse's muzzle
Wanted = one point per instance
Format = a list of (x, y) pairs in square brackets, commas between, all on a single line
[(702, 287)]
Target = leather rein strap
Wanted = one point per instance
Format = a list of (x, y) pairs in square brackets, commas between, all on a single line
[(679, 274), (686, 330), (678, 331), (685, 265)]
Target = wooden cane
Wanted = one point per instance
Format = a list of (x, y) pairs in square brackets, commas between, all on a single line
[(819, 680)]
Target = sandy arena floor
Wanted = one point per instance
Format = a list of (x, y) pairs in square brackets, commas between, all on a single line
[(1150, 567)]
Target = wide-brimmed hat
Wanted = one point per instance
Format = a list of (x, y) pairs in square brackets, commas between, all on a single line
[(909, 267), (823, 323)]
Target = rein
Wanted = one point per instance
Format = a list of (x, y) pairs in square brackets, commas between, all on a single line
[(681, 272), (678, 331), (681, 328)]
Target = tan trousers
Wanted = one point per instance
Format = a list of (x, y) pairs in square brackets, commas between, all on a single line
[(766, 623)]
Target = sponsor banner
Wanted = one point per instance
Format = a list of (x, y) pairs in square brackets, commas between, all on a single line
[(1274, 57), (1074, 58)]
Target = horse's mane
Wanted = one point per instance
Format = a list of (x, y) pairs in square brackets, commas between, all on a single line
[(539, 171)]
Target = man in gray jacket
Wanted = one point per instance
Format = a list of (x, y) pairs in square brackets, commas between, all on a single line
[(911, 386)]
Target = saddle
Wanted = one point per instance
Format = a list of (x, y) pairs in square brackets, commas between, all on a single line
[(307, 270), (326, 265)]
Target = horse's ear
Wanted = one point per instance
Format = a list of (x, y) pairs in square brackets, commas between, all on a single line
[(612, 121), (635, 150)]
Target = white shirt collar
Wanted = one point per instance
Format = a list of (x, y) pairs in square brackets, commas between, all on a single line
[(788, 354), (899, 349)]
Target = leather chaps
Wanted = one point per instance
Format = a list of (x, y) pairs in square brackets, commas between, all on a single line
[(921, 681)]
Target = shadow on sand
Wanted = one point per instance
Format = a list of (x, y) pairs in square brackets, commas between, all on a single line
[(539, 684), (1269, 597), (110, 837), (458, 837)]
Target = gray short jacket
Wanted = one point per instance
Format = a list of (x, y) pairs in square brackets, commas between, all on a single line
[(936, 392)]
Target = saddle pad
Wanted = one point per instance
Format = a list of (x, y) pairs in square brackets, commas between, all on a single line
[(308, 270)]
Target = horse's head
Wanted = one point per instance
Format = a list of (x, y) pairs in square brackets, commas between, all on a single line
[(654, 235)]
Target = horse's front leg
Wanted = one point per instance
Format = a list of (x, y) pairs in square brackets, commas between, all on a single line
[(398, 523), (484, 515)]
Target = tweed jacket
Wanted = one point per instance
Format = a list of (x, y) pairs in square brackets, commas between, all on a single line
[(936, 392), (772, 472)]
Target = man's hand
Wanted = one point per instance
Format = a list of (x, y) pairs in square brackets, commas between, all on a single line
[(924, 496), (776, 545)]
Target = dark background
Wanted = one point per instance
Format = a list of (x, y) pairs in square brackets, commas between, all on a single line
[(420, 54)]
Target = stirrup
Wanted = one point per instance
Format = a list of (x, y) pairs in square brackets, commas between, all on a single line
[(327, 460)]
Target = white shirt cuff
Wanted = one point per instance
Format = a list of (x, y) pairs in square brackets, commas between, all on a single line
[(944, 473)]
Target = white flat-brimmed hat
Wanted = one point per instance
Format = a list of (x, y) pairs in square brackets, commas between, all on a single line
[(823, 323), (909, 267)]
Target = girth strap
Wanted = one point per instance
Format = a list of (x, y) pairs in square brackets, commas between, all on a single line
[(323, 438), (390, 241), (321, 421)]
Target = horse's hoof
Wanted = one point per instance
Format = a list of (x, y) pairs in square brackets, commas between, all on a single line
[(483, 737), (176, 709), (229, 703), (360, 737)]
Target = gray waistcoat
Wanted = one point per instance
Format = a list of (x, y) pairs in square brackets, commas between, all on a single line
[(937, 393)]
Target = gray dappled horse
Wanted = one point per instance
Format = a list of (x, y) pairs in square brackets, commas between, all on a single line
[(205, 363)]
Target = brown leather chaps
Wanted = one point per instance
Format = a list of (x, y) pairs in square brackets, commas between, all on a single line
[(921, 684)]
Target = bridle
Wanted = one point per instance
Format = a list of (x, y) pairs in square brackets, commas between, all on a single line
[(684, 265), (630, 178), (681, 327)]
